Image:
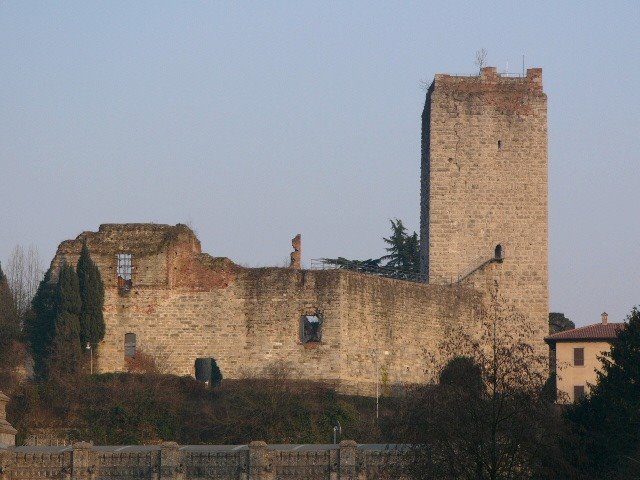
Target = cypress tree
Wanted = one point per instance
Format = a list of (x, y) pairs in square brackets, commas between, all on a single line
[(92, 326), (66, 348), (9, 325), (40, 324)]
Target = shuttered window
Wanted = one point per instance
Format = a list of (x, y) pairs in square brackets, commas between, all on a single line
[(578, 357)]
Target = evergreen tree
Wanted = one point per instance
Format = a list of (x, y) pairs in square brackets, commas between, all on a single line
[(412, 253), (404, 252), (607, 423), (347, 264), (9, 325), (92, 325), (66, 348), (40, 324)]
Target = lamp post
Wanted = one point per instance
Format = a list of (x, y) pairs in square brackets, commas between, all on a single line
[(376, 356), (337, 430), (88, 347)]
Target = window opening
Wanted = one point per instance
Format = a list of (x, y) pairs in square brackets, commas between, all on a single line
[(578, 357), (125, 270), (499, 144), (311, 329), (499, 252), (130, 345), (578, 392)]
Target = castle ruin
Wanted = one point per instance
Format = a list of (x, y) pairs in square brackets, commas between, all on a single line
[(483, 223)]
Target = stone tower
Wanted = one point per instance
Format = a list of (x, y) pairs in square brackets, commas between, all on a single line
[(484, 186)]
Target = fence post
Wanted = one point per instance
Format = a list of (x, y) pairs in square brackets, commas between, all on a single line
[(348, 460), (171, 461), (82, 461), (260, 467), (5, 463)]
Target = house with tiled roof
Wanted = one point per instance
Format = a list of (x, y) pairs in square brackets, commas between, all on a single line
[(577, 353)]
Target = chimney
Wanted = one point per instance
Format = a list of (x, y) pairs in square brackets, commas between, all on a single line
[(605, 318)]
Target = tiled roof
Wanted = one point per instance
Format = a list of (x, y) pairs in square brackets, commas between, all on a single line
[(598, 331)]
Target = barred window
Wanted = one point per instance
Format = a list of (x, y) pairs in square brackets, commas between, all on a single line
[(125, 270), (130, 345)]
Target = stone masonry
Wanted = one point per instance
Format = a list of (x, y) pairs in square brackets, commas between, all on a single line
[(484, 188), (7, 432), (256, 461), (184, 304), (483, 227)]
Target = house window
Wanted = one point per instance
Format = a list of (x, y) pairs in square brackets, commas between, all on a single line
[(578, 357), (125, 269), (129, 345), (311, 329), (578, 392)]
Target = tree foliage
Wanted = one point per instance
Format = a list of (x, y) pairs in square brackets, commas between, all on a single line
[(24, 273), (66, 349), (92, 326), (40, 324), (126, 408), (403, 253), (403, 250), (559, 323), (487, 418), (606, 424), (9, 330)]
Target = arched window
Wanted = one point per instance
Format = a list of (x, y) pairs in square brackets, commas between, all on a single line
[(499, 252), (130, 345)]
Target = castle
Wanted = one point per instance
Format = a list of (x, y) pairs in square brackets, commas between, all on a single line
[(483, 222)]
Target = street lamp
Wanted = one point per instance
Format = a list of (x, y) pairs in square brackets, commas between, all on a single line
[(337, 430), (88, 347), (376, 356)]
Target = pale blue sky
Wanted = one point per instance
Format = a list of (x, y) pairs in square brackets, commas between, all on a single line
[(254, 121)]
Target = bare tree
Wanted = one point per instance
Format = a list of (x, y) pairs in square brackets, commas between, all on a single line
[(481, 58), (488, 416), (24, 272)]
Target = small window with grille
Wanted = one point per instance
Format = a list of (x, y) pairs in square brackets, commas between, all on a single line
[(125, 270), (311, 329), (129, 345)]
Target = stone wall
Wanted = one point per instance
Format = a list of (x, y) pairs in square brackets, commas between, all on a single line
[(184, 304), (256, 461), (484, 184), (7, 432)]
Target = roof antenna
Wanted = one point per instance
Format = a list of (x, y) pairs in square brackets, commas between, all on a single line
[(523, 64)]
